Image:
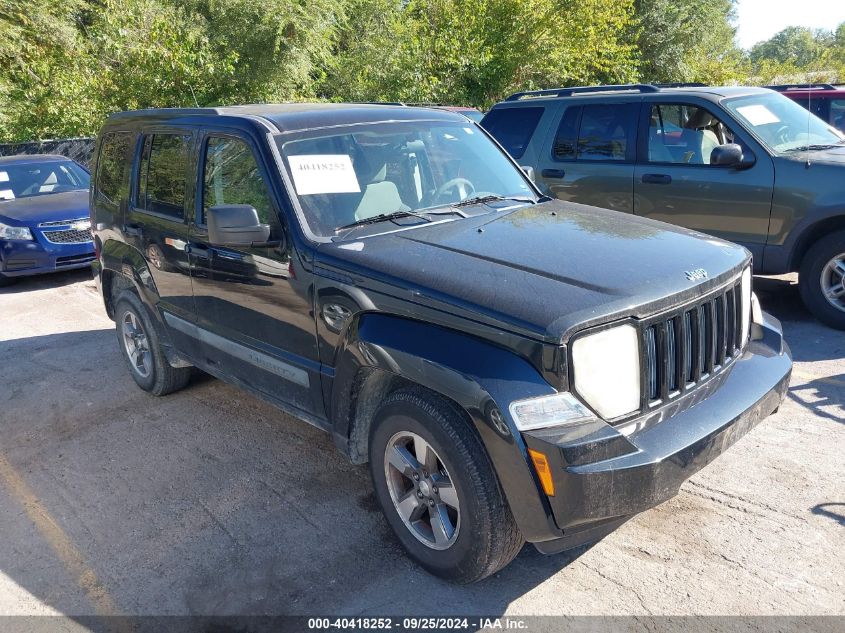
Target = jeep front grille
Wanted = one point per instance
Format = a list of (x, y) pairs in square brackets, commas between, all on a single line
[(689, 345)]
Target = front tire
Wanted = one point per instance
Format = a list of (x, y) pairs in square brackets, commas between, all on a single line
[(139, 343), (438, 490), (822, 280)]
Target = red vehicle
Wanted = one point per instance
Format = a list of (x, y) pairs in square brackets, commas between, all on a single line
[(826, 101)]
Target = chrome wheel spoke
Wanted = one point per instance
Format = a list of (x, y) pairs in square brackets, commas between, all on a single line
[(447, 492), (839, 267), (425, 454), (835, 292), (441, 524), (402, 460)]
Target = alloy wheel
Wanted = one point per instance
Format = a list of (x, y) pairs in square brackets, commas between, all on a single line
[(833, 282), (422, 491), (136, 344)]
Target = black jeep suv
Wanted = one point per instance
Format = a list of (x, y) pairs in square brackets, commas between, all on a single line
[(512, 368)]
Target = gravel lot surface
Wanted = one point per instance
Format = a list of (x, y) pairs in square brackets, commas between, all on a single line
[(209, 501)]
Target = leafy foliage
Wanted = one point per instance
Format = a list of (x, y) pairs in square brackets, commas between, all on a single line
[(798, 54), (477, 51), (64, 66), (687, 40)]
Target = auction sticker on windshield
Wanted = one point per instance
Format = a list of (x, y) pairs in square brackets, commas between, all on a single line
[(758, 114), (323, 173)]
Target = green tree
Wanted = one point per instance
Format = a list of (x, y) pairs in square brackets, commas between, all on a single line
[(798, 54), (277, 48), (35, 37), (686, 40), (796, 45), (477, 51)]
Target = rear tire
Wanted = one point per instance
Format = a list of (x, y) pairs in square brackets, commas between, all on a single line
[(459, 526), (141, 348), (822, 280)]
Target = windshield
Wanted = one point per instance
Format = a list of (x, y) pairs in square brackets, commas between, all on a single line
[(26, 180), (781, 124), (346, 175)]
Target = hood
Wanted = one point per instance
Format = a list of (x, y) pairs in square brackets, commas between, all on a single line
[(48, 207), (543, 270)]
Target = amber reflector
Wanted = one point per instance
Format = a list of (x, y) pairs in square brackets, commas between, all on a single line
[(541, 465)]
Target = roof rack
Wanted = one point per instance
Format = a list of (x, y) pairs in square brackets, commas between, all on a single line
[(802, 87), (568, 92), (163, 111), (391, 103), (681, 84)]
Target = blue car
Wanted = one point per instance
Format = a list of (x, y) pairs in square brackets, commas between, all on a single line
[(44, 220)]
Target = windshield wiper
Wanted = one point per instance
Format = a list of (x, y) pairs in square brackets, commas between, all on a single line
[(382, 217), (813, 148), (492, 198)]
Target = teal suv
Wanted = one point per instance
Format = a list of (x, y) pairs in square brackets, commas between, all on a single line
[(744, 164)]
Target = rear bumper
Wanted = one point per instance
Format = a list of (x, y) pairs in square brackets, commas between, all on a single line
[(604, 475), (22, 258)]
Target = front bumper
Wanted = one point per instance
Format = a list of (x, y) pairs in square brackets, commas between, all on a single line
[(21, 258), (603, 475)]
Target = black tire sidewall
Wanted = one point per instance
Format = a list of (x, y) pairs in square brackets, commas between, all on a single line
[(129, 302), (809, 282), (471, 542)]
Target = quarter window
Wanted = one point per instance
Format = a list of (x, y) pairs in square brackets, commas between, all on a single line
[(513, 127), (163, 174), (232, 176), (112, 182), (603, 132)]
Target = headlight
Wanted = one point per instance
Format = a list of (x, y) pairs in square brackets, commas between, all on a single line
[(745, 289), (606, 367), (545, 411), (14, 232), (756, 310)]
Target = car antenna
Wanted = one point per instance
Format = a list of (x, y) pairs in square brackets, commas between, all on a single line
[(197, 103)]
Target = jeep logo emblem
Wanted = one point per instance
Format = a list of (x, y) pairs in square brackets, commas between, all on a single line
[(696, 275)]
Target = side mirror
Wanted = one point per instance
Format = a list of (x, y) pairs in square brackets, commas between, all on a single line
[(529, 171), (235, 225), (727, 155)]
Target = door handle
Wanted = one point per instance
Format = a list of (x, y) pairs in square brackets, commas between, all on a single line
[(552, 173), (657, 179)]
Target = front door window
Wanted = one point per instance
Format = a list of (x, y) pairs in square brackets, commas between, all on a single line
[(685, 134), (232, 176)]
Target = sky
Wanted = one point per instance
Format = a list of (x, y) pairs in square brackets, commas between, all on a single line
[(760, 19)]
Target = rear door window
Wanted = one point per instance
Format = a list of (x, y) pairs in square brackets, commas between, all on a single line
[(163, 174), (599, 132), (513, 127), (566, 140)]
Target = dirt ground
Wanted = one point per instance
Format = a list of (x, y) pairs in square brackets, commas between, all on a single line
[(209, 501)]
